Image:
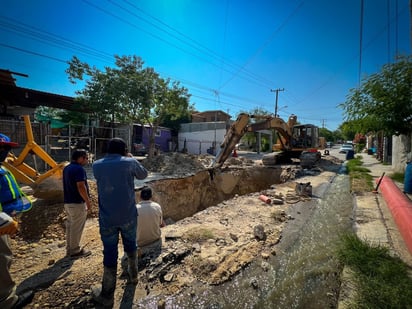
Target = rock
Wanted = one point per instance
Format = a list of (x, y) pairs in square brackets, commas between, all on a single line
[(265, 266), (264, 255), (254, 284), (168, 277), (161, 304), (220, 242), (234, 237), (277, 201), (196, 247), (259, 232)]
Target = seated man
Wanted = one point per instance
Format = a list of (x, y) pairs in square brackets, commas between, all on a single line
[(149, 222)]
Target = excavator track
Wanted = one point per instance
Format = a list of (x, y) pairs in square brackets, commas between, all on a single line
[(274, 158), (307, 159)]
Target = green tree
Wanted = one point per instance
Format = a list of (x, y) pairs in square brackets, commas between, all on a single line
[(327, 134), (129, 93), (383, 102)]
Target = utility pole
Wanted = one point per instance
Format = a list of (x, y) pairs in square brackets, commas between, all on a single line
[(276, 102)]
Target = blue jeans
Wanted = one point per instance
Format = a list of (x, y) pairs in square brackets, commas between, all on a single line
[(110, 239)]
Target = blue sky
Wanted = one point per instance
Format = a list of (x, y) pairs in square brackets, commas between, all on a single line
[(230, 54)]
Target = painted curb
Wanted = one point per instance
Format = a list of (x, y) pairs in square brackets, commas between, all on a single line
[(400, 206)]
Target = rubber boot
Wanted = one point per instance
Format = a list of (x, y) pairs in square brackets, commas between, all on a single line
[(104, 294), (132, 267)]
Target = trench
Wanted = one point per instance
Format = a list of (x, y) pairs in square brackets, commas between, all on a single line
[(184, 197), (305, 272)]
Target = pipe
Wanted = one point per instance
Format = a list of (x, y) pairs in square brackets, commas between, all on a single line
[(265, 199), (400, 206)]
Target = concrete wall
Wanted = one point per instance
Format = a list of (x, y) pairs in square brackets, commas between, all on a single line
[(200, 137), (200, 142), (401, 152)]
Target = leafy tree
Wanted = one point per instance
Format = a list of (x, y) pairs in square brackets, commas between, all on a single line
[(327, 134), (383, 102), (129, 93), (348, 130), (47, 112), (174, 123)]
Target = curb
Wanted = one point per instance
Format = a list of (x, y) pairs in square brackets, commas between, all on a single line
[(401, 208)]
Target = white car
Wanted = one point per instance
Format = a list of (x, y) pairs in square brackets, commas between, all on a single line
[(345, 148)]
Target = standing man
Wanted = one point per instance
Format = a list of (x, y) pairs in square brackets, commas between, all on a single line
[(10, 192), (76, 203), (115, 174)]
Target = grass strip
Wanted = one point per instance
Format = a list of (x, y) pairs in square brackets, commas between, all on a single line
[(381, 280)]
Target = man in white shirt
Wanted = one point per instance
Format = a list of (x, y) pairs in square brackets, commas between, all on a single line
[(149, 235), (150, 220)]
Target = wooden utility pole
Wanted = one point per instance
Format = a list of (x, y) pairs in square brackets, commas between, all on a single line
[(277, 94)]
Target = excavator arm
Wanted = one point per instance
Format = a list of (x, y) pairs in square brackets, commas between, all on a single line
[(232, 137), (241, 126), (283, 129)]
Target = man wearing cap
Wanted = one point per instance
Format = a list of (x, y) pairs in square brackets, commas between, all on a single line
[(8, 226), (115, 174)]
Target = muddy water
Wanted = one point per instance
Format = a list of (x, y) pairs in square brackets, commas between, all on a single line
[(304, 273)]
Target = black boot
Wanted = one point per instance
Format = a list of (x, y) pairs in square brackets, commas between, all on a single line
[(23, 299), (104, 294), (132, 267)]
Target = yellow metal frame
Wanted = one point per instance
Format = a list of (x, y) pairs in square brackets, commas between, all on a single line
[(25, 173)]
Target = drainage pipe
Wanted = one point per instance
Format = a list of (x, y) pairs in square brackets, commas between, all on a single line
[(265, 199), (401, 208)]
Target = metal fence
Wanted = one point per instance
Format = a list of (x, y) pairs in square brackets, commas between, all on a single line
[(60, 144)]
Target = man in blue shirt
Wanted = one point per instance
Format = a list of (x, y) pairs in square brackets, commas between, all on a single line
[(115, 174), (76, 202)]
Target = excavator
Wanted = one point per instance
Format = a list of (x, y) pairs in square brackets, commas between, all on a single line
[(294, 140), (47, 185)]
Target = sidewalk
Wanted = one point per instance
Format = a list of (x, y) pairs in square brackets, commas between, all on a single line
[(375, 224), (374, 220)]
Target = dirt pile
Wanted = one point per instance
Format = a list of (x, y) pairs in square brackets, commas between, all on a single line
[(177, 163)]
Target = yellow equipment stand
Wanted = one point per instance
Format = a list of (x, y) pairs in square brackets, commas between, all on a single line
[(25, 173)]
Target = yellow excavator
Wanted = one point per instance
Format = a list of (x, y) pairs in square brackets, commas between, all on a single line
[(300, 141), (47, 185)]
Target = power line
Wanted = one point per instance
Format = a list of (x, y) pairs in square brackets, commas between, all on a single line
[(32, 53), (197, 45), (250, 79), (263, 46), (20, 28)]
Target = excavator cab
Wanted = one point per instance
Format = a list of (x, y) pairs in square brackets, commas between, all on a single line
[(305, 137)]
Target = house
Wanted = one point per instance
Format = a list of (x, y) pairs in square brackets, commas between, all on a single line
[(210, 116), (205, 133), (163, 137)]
